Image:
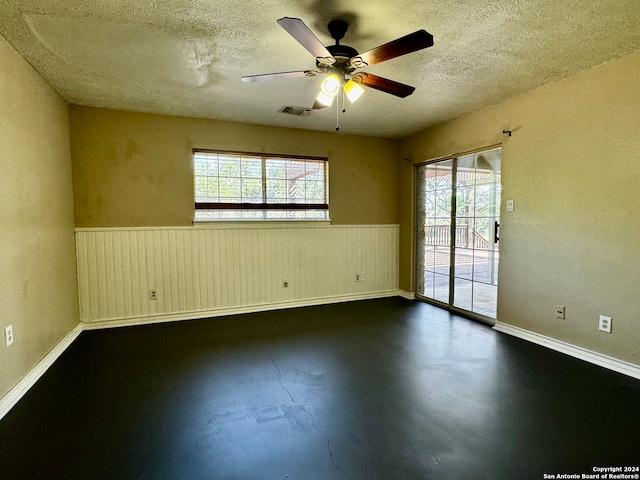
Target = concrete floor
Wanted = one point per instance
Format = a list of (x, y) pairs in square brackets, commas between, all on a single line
[(380, 389)]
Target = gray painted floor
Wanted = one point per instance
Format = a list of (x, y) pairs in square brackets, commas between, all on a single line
[(380, 389)]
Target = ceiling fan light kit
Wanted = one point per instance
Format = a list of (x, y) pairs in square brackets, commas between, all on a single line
[(353, 91), (340, 62), (323, 100), (330, 85)]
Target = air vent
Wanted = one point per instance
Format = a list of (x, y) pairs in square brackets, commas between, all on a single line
[(301, 111)]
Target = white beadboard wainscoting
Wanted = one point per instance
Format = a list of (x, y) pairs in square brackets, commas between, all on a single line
[(205, 271)]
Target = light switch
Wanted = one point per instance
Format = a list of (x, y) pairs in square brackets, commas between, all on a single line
[(510, 205)]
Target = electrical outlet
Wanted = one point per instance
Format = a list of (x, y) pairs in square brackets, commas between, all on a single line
[(560, 311), (8, 334), (362, 277), (359, 277), (285, 284), (153, 294), (604, 324)]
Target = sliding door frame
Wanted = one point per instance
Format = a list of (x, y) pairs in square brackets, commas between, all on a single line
[(452, 243)]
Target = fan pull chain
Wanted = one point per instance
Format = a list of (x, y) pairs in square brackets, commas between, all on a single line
[(338, 114), (344, 102), (344, 109)]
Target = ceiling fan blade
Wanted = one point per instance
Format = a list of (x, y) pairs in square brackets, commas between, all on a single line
[(401, 46), (276, 76), (383, 84), (298, 30)]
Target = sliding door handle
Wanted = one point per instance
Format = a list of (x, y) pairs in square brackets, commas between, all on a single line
[(496, 231)]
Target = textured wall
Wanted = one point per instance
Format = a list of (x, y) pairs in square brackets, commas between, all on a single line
[(38, 292), (200, 271), (572, 167), (134, 169)]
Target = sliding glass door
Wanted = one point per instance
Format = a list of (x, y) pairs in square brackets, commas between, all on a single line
[(458, 218)]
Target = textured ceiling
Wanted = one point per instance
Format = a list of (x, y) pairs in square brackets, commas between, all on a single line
[(186, 57)]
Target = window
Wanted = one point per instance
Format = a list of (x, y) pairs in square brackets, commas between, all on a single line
[(255, 186)]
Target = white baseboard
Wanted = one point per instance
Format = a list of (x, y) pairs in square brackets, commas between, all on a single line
[(236, 310), (590, 356), (407, 295), (23, 386)]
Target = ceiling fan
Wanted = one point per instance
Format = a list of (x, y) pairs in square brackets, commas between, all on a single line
[(341, 62)]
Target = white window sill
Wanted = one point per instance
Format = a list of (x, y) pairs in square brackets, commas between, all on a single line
[(226, 224)]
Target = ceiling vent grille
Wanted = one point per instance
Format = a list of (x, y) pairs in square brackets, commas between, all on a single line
[(300, 111)]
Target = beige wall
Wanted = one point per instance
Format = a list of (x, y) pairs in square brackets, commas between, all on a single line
[(573, 168), (38, 286), (134, 169)]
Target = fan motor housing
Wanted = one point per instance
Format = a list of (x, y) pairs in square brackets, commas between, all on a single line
[(342, 54)]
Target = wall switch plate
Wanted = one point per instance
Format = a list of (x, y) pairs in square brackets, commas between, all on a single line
[(8, 335), (153, 294), (510, 205), (604, 324), (560, 311)]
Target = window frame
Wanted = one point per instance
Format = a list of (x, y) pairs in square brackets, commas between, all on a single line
[(265, 205)]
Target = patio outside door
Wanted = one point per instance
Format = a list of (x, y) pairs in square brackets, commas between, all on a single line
[(458, 209)]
